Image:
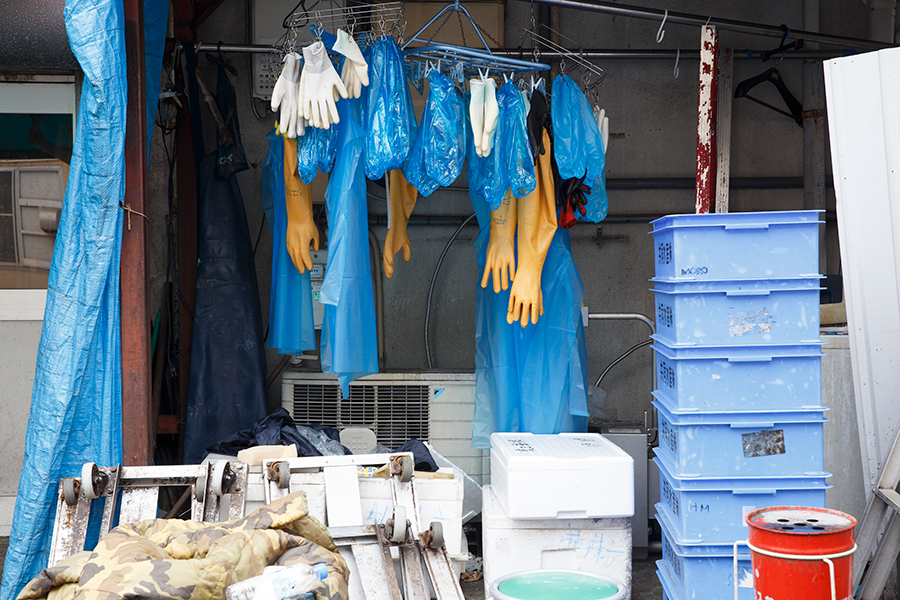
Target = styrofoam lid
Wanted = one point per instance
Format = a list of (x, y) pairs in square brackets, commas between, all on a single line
[(564, 451)]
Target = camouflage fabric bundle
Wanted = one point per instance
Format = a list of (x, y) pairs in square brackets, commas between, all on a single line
[(172, 559)]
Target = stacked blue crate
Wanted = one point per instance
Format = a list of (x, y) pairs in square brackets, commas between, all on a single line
[(738, 395)]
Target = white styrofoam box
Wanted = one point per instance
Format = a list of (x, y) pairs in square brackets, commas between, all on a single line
[(567, 475), (511, 545)]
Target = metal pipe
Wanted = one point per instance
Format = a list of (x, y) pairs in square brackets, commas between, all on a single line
[(593, 54), (629, 317), (626, 10)]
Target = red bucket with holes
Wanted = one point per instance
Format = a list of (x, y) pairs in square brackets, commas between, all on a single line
[(801, 553)]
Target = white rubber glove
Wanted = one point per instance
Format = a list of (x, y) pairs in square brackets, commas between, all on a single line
[(476, 112), (355, 73), (284, 95), (321, 87), (491, 112), (604, 133)]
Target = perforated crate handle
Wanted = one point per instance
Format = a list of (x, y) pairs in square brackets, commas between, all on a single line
[(748, 359), (823, 557), (759, 425), (748, 292), (751, 491)]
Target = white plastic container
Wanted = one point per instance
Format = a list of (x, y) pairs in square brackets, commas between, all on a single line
[(563, 476), (601, 546)]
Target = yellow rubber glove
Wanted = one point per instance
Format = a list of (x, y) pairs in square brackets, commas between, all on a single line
[(301, 229), (501, 251), (537, 224), (403, 197)]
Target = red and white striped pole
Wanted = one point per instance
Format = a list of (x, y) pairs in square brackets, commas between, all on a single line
[(706, 120)]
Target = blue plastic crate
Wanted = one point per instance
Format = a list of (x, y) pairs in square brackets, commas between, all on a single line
[(741, 444), (734, 313), (739, 378), (737, 245), (711, 510), (703, 572), (668, 586)]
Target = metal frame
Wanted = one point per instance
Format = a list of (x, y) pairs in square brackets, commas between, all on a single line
[(472, 59)]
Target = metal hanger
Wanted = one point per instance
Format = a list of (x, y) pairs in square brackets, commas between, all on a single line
[(472, 59), (774, 77), (565, 54)]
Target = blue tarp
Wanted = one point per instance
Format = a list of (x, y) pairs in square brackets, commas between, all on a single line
[(349, 340), (77, 397)]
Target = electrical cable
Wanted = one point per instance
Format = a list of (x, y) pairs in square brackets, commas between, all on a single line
[(437, 269), (620, 359)]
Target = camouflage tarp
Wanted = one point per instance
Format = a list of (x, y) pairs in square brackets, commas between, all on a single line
[(171, 559)]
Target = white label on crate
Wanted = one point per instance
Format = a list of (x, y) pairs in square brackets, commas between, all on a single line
[(746, 510)]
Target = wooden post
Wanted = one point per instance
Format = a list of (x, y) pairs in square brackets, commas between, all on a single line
[(723, 131), (135, 313), (706, 120)]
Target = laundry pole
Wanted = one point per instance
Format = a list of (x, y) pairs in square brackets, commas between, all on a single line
[(706, 120)]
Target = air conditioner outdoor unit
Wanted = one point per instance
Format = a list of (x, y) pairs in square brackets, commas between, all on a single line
[(433, 407)]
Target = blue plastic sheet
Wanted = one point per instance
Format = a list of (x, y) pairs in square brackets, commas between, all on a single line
[(291, 326), (349, 340), (77, 397), (531, 379), (514, 144), (445, 144), (390, 122), (510, 165), (316, 150), (578, 145)]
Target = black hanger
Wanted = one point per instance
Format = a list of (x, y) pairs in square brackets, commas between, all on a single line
[(220, 60), (795, 45), (774, 77)]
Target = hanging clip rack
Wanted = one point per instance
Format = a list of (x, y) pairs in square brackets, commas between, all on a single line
[(358, 20), (564, 55), (452, 57)]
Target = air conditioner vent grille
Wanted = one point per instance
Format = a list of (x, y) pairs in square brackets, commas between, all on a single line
[(395, 412)]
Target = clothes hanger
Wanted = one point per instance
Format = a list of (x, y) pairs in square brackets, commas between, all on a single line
[(795, 45), (774, 77)]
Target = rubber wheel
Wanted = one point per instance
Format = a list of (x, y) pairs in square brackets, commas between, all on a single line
[(200, 488), (89, 480), (437, 535), (398, 525), (283, 473), (218, 477), (70, 490), (406, 466)]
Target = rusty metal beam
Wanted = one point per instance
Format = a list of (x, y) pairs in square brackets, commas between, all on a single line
[(184, 15), (135, 318), (706, 120), (205, 8)]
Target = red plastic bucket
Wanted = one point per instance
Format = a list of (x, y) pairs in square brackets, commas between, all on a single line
[(801, 553)]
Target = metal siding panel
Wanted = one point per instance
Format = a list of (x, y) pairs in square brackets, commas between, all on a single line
[(864, 130)]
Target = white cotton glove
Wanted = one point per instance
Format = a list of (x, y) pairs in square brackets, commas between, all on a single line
[(284, 95), (321, 87), (491, 112), (355, 73), (476, 112)]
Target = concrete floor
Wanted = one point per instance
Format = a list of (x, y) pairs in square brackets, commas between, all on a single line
[(644, 583)]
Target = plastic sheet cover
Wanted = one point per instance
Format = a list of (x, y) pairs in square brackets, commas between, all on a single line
[(531, 379), (316, 150), (439, 151), (76, 406), (390, 122), (349, 340), (291, 325), (578, 145)]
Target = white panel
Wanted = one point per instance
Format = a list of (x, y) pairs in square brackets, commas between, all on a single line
[(864, 128), (22, 305), (37, 98)]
